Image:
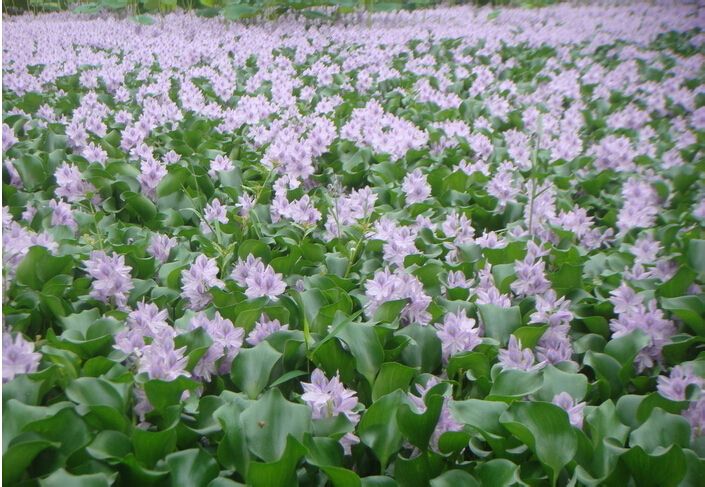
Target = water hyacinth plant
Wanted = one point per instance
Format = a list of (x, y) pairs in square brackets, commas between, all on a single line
[(451, 246)]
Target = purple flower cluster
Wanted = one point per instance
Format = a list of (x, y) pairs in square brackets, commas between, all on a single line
[(633, 314), (390, 286), (112, 280), (198, 280), (18, 356), (330, 398), (258, 279), (227, 341)]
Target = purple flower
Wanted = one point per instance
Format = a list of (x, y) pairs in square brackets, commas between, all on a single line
[(695, 414), (245, 268), (111, 276), (573, 408), (263, 328), (151, 174), (212, 213), (458, 333), (625, 300), (554, 345), (160, 246), (145, 321), (8, 137), (95, 153), (329, 399), (62, 214), (198, 280), (675, 386), (385, 286), (531, 279), (446, 421), (551, 310), (218, 165), (516, 357), (18, 356), (416, 188), (267, 283), (227, 342), (649, 319), (161, 360)]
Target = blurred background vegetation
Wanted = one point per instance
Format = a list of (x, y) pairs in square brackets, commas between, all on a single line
[(143, 11)]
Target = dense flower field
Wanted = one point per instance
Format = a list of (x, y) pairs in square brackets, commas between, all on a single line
[(455, 247)]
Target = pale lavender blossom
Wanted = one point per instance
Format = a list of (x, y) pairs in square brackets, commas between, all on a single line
[(147, 320), (62, 214), (197, 281), (8, 137), (161, 360), (70, 183), (517, 357), (531, 279), (416, 188), (446, 421), (160, 246), (226, 344), (387, 286), (212, 213), (574, 409), (112, 280), (329, 399), (220, 164), (246, 268), (695, 414), (266, 283), (95, 153), (263, 328), (675, 386), (18, 356), (650, 320), (458, 333), (552, 310)]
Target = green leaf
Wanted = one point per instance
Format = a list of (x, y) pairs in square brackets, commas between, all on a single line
[(556, 381), (690, 309), (424, 351), (696, 254), (482, 416), (364, 345), (378, 427), (144, 19), (253, 366), (499, 472), (92, 391), (268, 422), (512, 383), (237, 11), (454, 478), (191, 467), (61, 478), (662, 429), (152, 446), (110, 445), (419, 428), (500, 322), (664, 468), (20, 454), (391, 377), (162, 394), (39, 266), (545, 429), (139, 205), (280, 472), (389, 311)]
